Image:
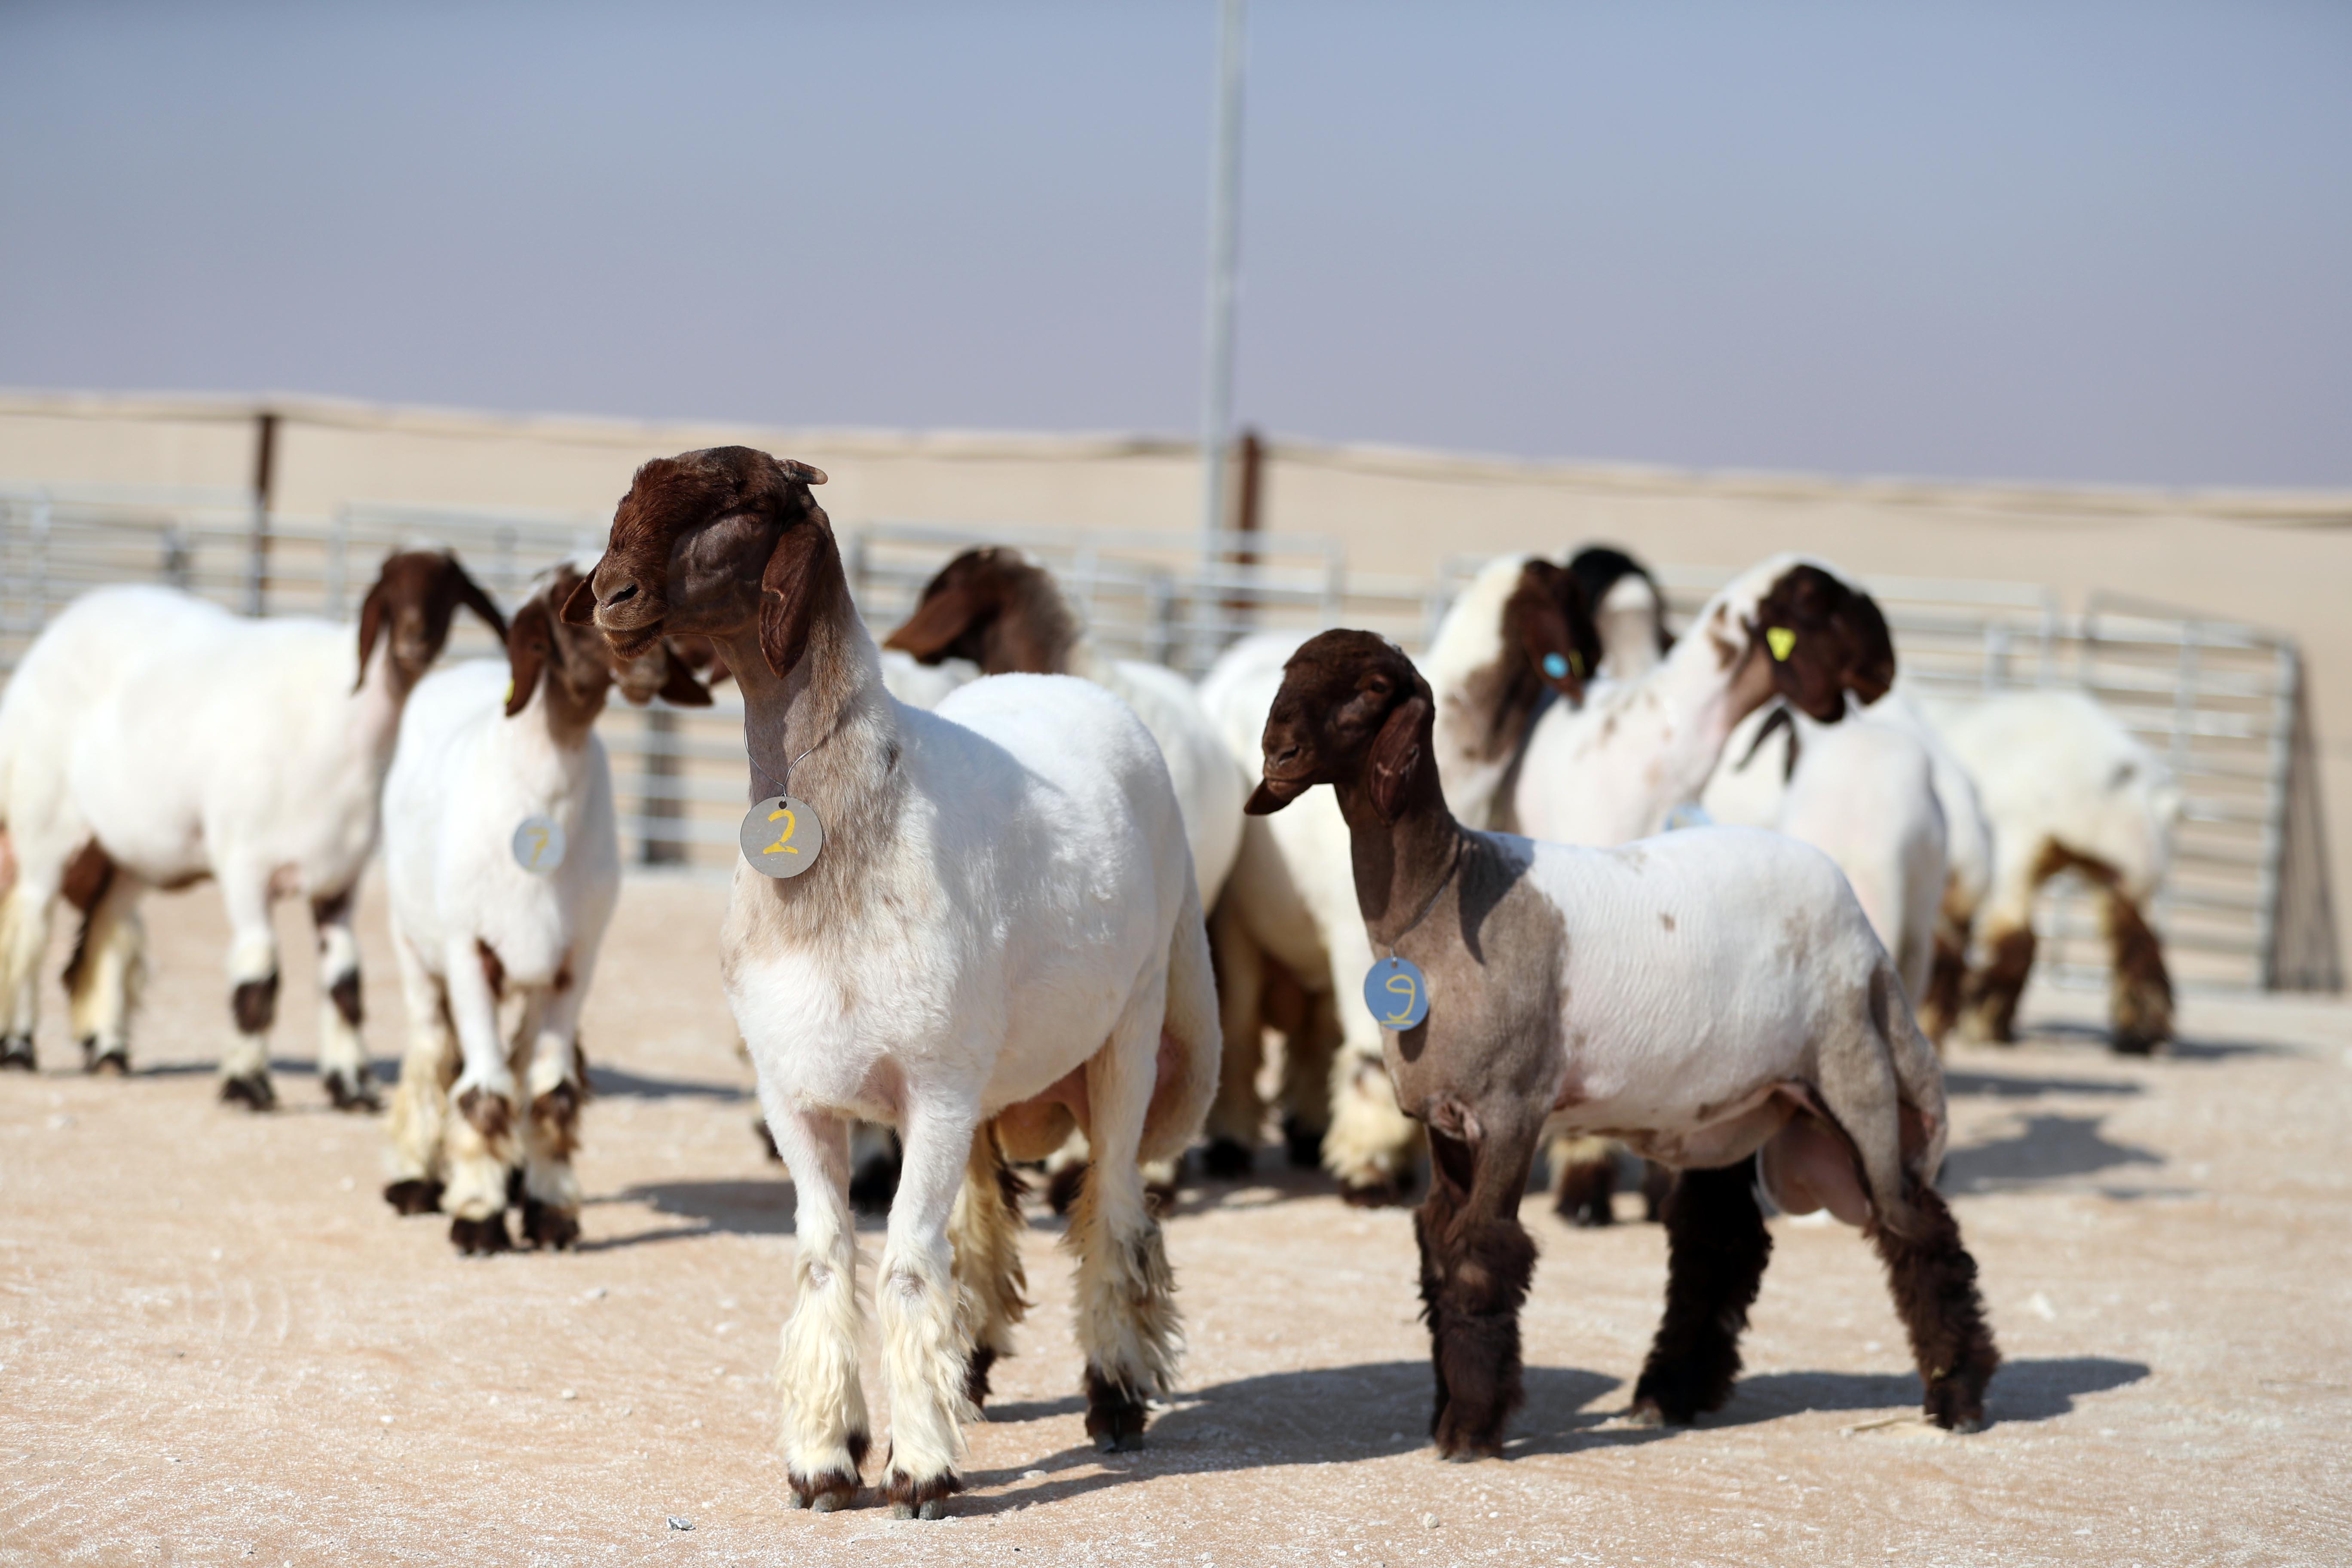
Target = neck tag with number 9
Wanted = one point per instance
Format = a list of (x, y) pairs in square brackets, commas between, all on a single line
[(780, 835), (537, 844), (1397, 992)]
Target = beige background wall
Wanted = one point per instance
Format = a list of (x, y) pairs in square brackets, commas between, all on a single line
[(2278, 560)]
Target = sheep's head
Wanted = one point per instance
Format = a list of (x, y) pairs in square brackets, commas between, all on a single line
[(1547, 622), (1628, 610), (1352, 706), (414, 596), (577, 664), (1825, 638), (995, 607), (715, 542)]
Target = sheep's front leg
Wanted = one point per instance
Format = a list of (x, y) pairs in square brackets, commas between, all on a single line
[(551, 1192), (1475, 1262), (1371, 1146), (824, 1432), (420, 1105), (24, 937), (1237, 1114), (102, 980), (253, 987), (480, 1138), (925, 1355), (1716, 1247), (342, 1054)]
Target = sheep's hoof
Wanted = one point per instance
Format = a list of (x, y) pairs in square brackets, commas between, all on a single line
[(113, 1061), (823, 1493), (1646, 1412), (543, 1226), (480, 1238), (926, 1499), (1382, 1192), (1062, 1187), (1227, 1160), (250, 1089), (16, 1051), (1304, 1144), (1116, 1414), (2133, 1043), (352, 1091), (415, 1195)]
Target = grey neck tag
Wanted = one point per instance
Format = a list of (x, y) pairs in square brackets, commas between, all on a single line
[(782, 835), (537, 844)]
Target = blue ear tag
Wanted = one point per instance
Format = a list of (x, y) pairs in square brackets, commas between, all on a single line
[(780, 835), (1555, 665), (1397, 992), (537, 844)]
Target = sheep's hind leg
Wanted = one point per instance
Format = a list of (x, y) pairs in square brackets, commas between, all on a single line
[(1934, 1281), (1716, 1247), (824, 1431), (479, 1144), (926, 1359), (985, 1233), (344, 1070), (1237, 1115), (550, 1190), (1585, 1180), (103, 979), (2139, 1002), (253, 990), (1476, 1261), (420, 1102)]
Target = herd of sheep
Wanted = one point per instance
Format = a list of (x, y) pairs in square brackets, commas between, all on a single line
[(1699, 906)]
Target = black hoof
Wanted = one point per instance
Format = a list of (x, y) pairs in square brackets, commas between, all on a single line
[(925, 1499), (1304, 1144), (1227, 1160), (1062, 1188), (356, 1094), (16, 1051), (545, 1226), (975, 1376), (1387, 1192), (414, 1196), (2131, 1044), (1116, 1414), (824, 1494), (480, 1238), (113, 1063), (251, 1090)]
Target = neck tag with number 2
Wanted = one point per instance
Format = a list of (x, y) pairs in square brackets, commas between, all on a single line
[(780, 835)]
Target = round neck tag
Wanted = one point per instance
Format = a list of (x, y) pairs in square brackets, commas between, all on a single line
[(780, 835), (537, 844), (1397, 992)]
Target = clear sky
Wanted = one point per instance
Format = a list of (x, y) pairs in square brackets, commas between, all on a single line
[(2079, 241)]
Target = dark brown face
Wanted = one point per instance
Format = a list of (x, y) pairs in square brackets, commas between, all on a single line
[(995, 608), (414, 596), (1825, 638), (578, 663), (1351, 707), (1548, 620), (714, 542)]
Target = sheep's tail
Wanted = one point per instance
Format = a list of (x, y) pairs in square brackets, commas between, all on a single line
[(1180, 1102)]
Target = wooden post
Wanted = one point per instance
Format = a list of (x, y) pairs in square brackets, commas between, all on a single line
[(1240, 608), (264, 485)]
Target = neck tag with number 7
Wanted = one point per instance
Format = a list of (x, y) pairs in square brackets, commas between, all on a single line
[(537, 844), (780, 835)]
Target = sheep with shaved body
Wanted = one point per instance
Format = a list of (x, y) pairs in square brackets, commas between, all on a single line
[(999, 937), (151, 740), (1714, 997)]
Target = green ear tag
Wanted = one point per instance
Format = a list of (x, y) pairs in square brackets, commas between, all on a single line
[(1779, 639)]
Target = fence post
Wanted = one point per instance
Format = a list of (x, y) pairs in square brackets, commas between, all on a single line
[(265, 476), (658, 795)]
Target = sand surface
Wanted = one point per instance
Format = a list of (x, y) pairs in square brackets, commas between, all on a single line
[(218, 1345)]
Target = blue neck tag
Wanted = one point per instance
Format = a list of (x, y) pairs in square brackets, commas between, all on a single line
[(1397, 992), (537, 844)]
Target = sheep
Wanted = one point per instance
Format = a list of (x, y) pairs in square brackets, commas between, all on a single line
[(998, 938), (490, 751), (150, 739), (2066, 787), (1714, 997), (1518, 636), (1629, 612)]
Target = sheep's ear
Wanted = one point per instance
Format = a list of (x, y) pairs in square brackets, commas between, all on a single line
[(470, 595), (527, 643), (580, 604), (371, 629), (1395, 754), (1870, 647), (944, 618), (679, 688), (802, 573), (1825, 638)]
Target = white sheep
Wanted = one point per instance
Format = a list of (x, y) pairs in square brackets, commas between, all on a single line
[(1714, 997), (150, 739), (503, 852), (2066, 787), (999, 936)]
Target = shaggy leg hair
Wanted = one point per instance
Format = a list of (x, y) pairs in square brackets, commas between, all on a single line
[(480, 1149), (1989, 1000), (1585, 1180), (1127, 1320), (1934, 1281), (1372, 1147), (985, 1232), (824, 1429), (1716, 1247), (2140, 1004), (106, 974), (1475, 1262)]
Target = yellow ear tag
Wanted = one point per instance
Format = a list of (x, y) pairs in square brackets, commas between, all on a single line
[(1779, 639), (509, 700)]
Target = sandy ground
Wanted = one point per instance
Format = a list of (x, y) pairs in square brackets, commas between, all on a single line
[(216, 1344)]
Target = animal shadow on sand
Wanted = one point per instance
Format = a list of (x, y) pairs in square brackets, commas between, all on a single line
[(2047, 1149), (2181, 1050)]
